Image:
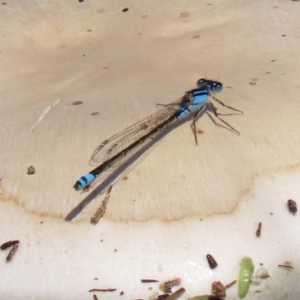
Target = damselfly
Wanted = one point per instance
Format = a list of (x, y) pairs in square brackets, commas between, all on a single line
[(122, 146)]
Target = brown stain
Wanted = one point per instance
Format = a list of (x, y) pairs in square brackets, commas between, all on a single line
[(145, 16), (7, 197), (196, 36)]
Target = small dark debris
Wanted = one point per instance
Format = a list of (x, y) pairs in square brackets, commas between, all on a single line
[(125, 178), (122, 293), (268, 73), (162, 297), (218, 289), (3, 3), (286, 266), (148, 280), (80, 0), (95, 297), (227, 286), (8, 244), (258, 231), (196, 36), (283, 35), (12, 252), (95, 113), (211, 261), (101, 210), (89, 30), (116, 250), (125, 9), (166, 286), (292, 205), (30, 170), (176, 294), (273, 60), (96, 278), (252, 83), (102, 290), (77, 102)]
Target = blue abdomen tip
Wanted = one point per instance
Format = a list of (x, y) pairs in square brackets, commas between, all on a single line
[(84, 181)]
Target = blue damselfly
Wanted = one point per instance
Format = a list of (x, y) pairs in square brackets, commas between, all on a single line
[(122, 146)]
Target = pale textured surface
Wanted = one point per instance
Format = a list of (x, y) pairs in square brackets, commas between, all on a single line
[(120, 64)]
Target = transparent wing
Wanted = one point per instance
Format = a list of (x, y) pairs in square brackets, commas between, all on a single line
[(120, 141)]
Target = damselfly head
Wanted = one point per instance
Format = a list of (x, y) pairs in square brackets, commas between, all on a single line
[(213, 86), (201, 82), (216, 86)]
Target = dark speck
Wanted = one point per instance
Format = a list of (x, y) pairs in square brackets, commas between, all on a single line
[(184, 14), (196, 36), (125, 9), (94, 113), (283, 35), (77, 103), (273, 60), (89, 30), (292, 205), (3, 3), (30, 170), (80, 0)]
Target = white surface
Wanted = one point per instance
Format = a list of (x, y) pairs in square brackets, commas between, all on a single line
[(131, 63)]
